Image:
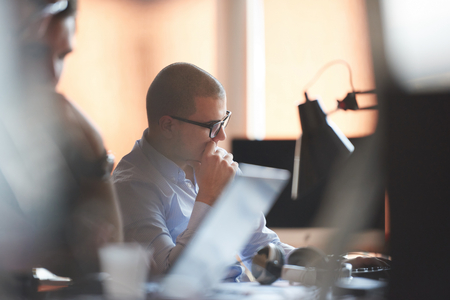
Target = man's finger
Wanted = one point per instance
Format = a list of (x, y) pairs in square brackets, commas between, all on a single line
[(228, 157), (210, 147), (222, 152)]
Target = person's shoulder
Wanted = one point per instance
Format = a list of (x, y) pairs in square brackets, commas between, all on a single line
[(137, 182), (135, 177), (132, 167), (83, 133)]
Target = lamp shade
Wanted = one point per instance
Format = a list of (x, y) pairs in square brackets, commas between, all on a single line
[(322, 144)]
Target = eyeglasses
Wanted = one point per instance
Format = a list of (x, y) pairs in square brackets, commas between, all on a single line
[(214, 127)]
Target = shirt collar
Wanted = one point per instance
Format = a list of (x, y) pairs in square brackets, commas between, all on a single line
[(165, 166)]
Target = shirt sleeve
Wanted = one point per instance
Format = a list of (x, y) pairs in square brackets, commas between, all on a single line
[(145, 223), (198, 212)]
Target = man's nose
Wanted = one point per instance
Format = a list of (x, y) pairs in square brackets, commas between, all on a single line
[(55, 69), (221, 136), (57, 66)]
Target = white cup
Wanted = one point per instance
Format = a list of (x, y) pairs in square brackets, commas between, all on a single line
[(127, 265)]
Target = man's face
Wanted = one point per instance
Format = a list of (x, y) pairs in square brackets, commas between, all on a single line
[(44, 46), (59, 38), (192, 139)]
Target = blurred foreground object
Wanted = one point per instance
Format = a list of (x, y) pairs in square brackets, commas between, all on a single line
[(410, 47), (49, 281), (127, 266), (57, 202)]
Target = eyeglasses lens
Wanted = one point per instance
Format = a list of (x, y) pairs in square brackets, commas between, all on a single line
[(215, 130)]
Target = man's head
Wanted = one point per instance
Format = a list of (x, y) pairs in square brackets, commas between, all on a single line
[(180, 96), (46, 30), (175, 88)]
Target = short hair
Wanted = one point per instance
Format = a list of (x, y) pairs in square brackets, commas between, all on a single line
[(174, 89)]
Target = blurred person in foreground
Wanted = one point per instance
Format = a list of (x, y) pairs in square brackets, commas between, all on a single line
[(176, 171), (56, 195)]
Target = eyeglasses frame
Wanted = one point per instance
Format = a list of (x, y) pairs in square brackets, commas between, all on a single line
[(205, 125)]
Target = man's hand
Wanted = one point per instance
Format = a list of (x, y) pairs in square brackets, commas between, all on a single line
[(213, 172)]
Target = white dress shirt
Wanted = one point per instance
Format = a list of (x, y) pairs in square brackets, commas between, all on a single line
[(159, 208)]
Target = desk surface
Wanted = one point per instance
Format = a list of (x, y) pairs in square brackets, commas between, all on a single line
[(366, 241), (253, 290)]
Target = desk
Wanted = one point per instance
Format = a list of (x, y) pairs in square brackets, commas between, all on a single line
[(367, 241), (279, 290)]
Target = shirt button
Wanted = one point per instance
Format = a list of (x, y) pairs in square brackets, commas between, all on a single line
[(189, 184)]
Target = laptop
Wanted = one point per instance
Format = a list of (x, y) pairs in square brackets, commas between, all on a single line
[(224, 232)]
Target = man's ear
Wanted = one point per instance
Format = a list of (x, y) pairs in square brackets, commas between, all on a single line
[(167, 126)]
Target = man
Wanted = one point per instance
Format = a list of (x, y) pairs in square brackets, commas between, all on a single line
[(92, 212), (60, 182), (176, 172)]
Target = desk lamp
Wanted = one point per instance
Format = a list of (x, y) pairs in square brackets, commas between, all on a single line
[(321, 145)]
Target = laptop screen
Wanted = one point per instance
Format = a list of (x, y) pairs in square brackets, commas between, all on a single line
[(224, 231)]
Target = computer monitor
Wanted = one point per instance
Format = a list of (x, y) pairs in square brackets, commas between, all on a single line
[(288, 213)]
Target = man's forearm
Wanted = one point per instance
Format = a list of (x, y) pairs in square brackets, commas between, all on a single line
[(165, 261)]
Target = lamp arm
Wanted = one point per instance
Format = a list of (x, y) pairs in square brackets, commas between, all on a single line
[(369, 107), (349, 102), (366, 92)]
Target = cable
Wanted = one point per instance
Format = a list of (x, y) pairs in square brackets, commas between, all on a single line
[(326, 66), (349, 102)]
